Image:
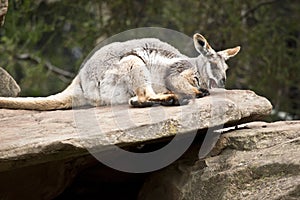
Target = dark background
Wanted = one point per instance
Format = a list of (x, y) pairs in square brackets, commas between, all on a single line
[(40, 35)]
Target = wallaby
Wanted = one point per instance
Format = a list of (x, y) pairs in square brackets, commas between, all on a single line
[(142, 72)]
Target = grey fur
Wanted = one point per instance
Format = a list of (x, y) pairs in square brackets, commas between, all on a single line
[(139, 71)]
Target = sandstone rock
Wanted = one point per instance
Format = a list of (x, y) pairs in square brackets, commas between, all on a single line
[(8, 86), (3, 10), (260, 161), (39, 146), (31, 137)]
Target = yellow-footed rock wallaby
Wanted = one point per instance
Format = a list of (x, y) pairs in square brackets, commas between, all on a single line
[(142, 72)]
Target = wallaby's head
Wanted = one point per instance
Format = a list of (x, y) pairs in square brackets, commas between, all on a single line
[(212, 67)]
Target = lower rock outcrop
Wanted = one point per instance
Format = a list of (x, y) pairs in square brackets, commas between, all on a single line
[(3, 10), (8, 86), (259, 161)]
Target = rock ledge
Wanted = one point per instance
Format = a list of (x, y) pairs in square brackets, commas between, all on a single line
[(31, 137)]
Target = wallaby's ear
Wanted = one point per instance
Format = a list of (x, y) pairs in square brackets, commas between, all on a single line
[(202, 45), (228, 53)]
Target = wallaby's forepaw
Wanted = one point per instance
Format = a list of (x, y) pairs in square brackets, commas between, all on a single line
[(203, 92), (159, 99), (171, 99), (166, 99), (137, 104), (175, 102)]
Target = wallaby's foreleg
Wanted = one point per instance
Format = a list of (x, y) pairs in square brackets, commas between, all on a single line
[(139, 81), (142, 101)]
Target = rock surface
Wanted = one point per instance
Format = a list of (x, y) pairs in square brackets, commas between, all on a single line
[(8, 86), (260, 161), (32, 137), (42, 152)]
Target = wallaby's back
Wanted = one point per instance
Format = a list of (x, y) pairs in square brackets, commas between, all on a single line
[(79, 92)]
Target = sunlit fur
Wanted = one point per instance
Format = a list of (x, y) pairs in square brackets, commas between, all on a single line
[(138, 71)]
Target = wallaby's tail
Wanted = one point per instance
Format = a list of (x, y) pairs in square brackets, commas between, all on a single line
[(61, 100), (53, 102)]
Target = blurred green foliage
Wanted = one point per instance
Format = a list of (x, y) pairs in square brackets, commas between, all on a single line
[(64, 32)]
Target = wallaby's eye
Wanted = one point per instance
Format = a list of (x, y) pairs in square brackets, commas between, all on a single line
[(197, 81)]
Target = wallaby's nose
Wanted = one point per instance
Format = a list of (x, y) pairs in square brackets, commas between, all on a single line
[(216, 84), (222, 82), (212, 83)]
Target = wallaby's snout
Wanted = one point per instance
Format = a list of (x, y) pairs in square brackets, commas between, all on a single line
[(221, 83), (213, 83)]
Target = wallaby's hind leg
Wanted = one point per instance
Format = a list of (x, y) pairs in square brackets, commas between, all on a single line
[(140, 83)]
